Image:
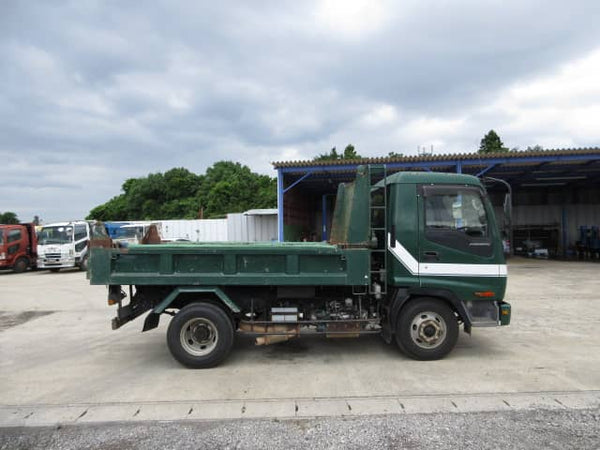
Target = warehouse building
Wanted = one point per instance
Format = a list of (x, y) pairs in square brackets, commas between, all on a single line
[(555, 194)]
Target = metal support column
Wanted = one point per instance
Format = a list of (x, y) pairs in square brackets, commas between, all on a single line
[(280, 205), (324, 217), (565, 239)]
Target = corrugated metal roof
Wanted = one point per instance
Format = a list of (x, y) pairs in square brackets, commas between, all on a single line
[(475, 157)]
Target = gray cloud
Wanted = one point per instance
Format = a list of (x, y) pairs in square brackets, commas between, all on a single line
[(97, 92)]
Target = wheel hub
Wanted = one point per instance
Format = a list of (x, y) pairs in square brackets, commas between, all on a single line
[(428, 330), (201, 333), (199, 336)]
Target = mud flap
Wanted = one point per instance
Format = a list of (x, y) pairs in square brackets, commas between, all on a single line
[(151, 321)]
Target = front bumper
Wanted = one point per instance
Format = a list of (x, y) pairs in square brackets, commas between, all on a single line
[(505, 311), (55, 263), (488, 313)]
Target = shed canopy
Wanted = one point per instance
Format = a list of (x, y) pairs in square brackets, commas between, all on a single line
[(522, 169), (305, 189)]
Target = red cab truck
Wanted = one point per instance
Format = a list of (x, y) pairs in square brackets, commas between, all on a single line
[(18, 247)]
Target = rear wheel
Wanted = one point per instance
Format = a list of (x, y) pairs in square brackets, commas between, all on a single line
[(427, 329), (21, 265), (200, 335)]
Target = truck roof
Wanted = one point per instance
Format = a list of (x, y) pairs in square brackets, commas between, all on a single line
[(64, 224), (430, 177)]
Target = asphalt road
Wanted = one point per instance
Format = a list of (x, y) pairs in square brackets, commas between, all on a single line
[(61, 365)]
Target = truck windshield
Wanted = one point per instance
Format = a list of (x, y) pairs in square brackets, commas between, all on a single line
[(132, 232), (1, 237), (55, 235)]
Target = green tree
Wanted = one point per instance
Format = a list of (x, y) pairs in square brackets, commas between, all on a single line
[(231, 187), (333, 155), (491, 143), (8, 218), (114, 209), (395, 155), (350, 153), (180, 194), (535, 148)]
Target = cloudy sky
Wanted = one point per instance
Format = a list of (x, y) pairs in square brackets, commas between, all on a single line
[(95, 92)]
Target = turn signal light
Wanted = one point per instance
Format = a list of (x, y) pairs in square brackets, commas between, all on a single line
[(485, 294), (112, 301)]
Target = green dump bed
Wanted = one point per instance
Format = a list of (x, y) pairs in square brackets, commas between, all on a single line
[(234, 264)]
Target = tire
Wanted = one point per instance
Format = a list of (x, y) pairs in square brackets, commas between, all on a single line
[(426, 329), (83, 264), (200, 335), (55, 270), (21, 265)]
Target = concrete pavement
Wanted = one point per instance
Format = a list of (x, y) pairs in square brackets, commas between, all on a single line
[(61, 363)]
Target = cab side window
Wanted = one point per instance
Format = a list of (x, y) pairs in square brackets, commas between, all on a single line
[(456, 217), (80, 232), (461, 211), (13, 235)]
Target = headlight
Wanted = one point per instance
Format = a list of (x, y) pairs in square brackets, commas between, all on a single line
[(2, 255)]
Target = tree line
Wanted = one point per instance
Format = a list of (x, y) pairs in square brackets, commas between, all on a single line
[(226, 187)]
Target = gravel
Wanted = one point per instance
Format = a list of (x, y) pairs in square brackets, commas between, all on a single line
[(547, 429)]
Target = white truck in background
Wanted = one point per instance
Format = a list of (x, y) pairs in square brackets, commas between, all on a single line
[(63, 245), (256, 225), (132, 233)]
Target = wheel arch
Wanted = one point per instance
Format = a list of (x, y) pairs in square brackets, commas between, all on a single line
[(18, 259), (404, 296), (181, 296)]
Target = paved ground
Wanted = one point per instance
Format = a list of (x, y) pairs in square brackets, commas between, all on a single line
[(61, 363)]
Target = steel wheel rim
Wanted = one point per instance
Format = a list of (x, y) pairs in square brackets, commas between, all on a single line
[(428, 330), (199, 336)]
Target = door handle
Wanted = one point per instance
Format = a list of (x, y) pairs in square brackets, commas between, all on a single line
[(431, 255)]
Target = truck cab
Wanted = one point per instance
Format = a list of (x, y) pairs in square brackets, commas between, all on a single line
[(63, 245), (132, 233), (18, 247), (444, 242)]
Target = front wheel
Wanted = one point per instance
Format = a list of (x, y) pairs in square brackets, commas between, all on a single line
[(200, 335), (21, 265), (427, 329), (83, 265)]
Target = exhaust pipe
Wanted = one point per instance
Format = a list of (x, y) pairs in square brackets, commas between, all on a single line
[(287, 332)]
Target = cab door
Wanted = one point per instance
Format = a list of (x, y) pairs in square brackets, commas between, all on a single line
[(81, 237), (15, 244), (459, 247)]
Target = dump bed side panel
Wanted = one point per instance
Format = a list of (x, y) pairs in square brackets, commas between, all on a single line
[(308, 264)]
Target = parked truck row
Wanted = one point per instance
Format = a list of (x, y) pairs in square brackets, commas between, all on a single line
[(18, 247), (54, 246), (64, 244), (410, 257)]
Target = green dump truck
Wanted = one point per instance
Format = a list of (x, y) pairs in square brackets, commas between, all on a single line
[(411, 257)]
